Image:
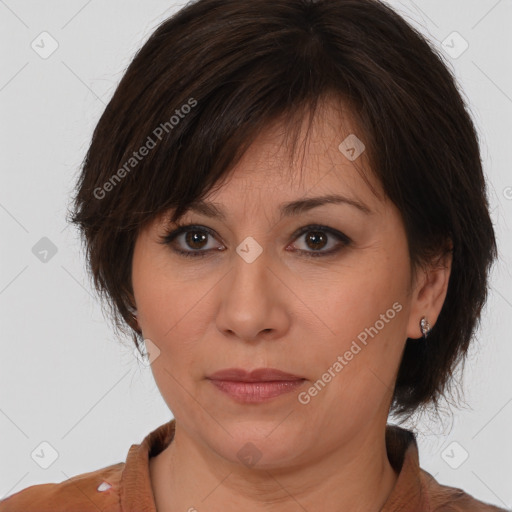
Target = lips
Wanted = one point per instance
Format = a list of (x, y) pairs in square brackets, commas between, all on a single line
[(258, 375), (257, 386)]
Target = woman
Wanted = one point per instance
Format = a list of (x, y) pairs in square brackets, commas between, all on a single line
[(284, 201)]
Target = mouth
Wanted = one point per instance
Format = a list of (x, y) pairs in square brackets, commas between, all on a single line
[(257, 375), (256, 386)]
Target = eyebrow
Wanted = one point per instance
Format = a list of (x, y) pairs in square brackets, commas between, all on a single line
[(292, 208)]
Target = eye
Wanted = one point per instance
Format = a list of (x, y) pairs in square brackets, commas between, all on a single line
[(196, 239), (193, 236), (318, 237)]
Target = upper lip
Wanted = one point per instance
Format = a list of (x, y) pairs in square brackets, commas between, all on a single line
[(257, 375)]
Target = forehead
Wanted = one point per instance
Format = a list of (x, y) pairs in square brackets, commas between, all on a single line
[(329, 158)]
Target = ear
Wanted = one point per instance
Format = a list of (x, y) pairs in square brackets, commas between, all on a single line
[(429, 292)]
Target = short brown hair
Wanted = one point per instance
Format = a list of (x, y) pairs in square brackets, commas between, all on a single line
[(217, 72)]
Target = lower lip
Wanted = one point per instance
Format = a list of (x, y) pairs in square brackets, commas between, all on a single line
[(255, 392)]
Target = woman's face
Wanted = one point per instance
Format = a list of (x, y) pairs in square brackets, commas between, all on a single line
[(339, 319)]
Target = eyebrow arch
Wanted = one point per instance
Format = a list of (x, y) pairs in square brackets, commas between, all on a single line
[(292, 208)]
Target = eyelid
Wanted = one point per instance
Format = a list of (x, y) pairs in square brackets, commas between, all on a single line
[(183, 228)]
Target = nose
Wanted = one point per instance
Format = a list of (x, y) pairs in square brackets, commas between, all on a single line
[(253, 301)]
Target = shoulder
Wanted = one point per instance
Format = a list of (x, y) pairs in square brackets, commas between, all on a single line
[(93, 491), (443, 498)]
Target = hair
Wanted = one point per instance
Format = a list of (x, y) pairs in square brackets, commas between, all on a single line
[(216, 73)]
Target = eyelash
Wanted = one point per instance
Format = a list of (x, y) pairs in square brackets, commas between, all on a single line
[(169, 237)]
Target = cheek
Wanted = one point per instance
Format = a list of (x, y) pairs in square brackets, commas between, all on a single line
[(172, 313), (161, 295), (355, 298), (168, 309), (365, 311)]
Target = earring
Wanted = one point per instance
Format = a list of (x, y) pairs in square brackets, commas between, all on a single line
[(425, 327)]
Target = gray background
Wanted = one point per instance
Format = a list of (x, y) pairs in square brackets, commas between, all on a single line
[(64, 378)]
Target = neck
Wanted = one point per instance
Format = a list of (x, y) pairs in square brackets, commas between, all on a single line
[(357, 475)]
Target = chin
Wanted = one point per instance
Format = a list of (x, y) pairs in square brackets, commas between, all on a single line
[(263, 448)]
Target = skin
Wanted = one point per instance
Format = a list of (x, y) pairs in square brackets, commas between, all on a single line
[(284, 311)]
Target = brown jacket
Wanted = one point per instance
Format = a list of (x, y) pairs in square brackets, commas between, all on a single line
[(126, 486)]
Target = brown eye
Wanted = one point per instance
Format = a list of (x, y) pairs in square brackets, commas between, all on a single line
[(195, 239), (319, 237), (190, 241), (316, 240)]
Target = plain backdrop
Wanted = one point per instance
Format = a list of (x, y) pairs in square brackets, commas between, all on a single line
[(64, 377)]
